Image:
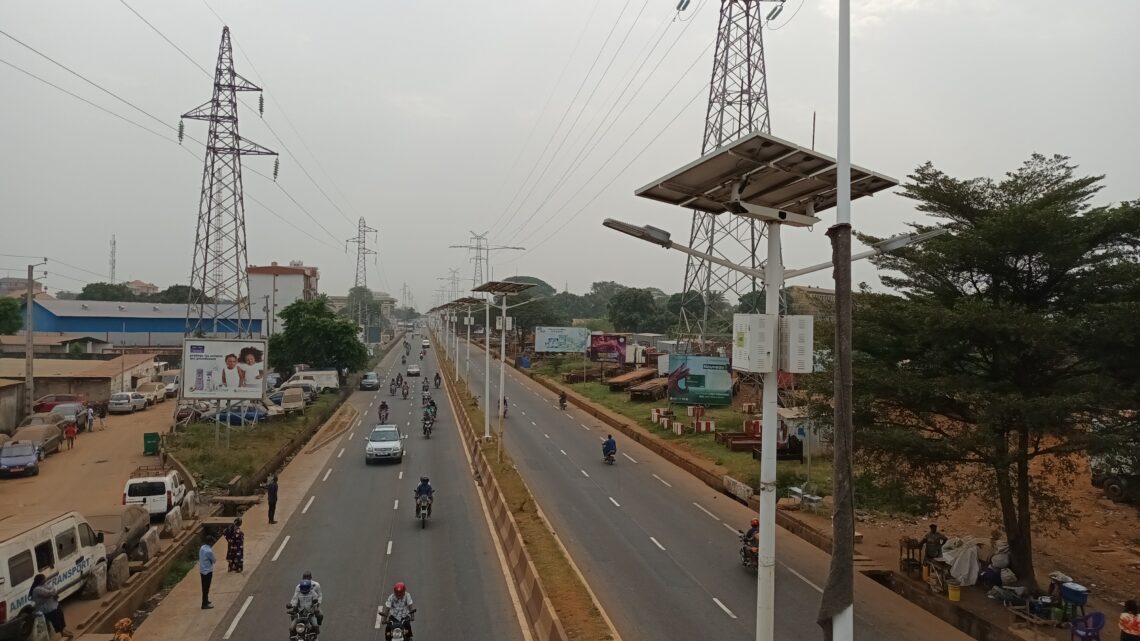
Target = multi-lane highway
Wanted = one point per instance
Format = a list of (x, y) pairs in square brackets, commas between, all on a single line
[(358, 536), (660, 548)]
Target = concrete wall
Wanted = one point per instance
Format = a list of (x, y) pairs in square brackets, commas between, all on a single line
[(11, 407), (96, 389), (289, 287)]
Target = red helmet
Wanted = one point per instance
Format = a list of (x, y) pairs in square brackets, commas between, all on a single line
[(399, 588), (755, 522)]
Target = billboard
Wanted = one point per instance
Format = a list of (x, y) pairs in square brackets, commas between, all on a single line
[(229, 369), (699, 380), (561, 339), (607, 348)]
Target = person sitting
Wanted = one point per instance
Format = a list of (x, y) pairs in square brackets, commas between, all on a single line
[(932, 543), (382, 413), (609, 447), (432, 406), (562, 400), (399, 609), (753, 533), (438, 379), (304, 598), (425, 489), (316, 588)]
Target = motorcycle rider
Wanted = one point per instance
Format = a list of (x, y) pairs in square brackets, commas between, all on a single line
[(753, 533), (306, 598), (392, 388), (382, 413), (432, 406), (562, 400), (438, 380), (399, 608), (399, 379), (425, 488), (405, 389), (426, 386), (609, 447), (403, 360)]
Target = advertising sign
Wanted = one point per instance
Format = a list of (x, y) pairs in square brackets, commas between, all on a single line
[(561, 339), (230, 369), (607, 348), (699, 380)]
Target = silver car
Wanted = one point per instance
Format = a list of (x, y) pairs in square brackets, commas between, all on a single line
[(126, 403), (384, 443)]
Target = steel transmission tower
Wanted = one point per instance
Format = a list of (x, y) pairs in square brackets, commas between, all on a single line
[(114, 251), (362, 252), (738, 105), (218, 283)]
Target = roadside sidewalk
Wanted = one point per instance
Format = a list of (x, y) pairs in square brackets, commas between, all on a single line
[(180, 616)]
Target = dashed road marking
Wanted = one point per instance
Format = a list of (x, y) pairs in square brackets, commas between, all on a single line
[(237, 617), (585, 427), (730, 528), (564, 453), (629, 457), (616, 504), (350, 435), (658, 544), (802, 578), (327, 472), (309, 504), (340, 453), (401, 475), (663, 481), (396, 505), (280, 548), (702, 508), (534, 424), (584, 473), (389, 547), (724, 607)]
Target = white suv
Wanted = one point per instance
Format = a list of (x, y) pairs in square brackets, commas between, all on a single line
[(384, 443)]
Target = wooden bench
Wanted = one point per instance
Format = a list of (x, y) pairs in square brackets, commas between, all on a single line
[(794, 451)]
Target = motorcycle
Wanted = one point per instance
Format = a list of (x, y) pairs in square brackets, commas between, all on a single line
[(562, 404), (428, 423), (404, 390), (301, 625), (398, 629), (403, 360), (437, 383), (422, 504), (609, 458), (383, 416), (391, 390), (749, 555)]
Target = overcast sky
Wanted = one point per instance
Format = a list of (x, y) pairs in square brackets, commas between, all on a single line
[(427, 118)]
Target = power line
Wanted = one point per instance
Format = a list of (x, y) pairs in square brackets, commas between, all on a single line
[(168, 40), (566, 112)]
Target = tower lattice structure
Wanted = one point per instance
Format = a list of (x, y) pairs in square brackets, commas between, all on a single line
[(738, 105), (219, 290), (363, 251)]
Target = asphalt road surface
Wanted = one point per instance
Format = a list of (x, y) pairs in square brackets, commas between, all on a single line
[(659, 548), (358, 535)]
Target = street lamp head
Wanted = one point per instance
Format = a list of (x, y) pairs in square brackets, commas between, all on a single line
[(902, 240), (648, 233)]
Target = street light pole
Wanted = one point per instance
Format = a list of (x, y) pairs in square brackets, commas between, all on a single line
[(487, 369), (502, 376), (467, 367), (29, 334), (766, 574)]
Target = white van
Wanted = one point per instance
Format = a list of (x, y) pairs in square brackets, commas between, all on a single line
[(158, 489), (62, 546), (326, 380)]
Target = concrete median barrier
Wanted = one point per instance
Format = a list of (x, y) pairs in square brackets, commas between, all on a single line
[(147, 548), (172, 524), (190, 506), (118, 571), (95, 586)]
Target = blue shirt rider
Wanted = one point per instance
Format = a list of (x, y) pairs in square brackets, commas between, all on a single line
[(425, 489), (609, 448)]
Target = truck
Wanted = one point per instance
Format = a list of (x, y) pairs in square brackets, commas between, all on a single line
[(1117, 475), (326, 380)]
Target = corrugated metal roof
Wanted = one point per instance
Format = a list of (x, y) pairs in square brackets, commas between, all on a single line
[(9, 382), (69, 368), (48, 339), (104, 309)]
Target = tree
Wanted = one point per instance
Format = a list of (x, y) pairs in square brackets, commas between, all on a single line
[(599, 297), (534, 314), (11, 320), (1015, 332), (633, 310), (316, 336), (405, 313), (176, 294), (569, 306), (116, 292), (691, 301)]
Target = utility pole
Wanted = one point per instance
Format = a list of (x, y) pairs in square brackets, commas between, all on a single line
[(29, 344), (218, 282), (738, 105), (114, 250), (362, 254)]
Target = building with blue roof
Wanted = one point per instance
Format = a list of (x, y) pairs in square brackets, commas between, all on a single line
[(131, 324)]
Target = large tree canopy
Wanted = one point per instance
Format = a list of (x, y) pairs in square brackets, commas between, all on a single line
[(633, 310), (10, 318), (106, 292), (1014, 334), (315, 336)]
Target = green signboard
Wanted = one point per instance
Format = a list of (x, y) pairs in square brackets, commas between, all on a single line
[(699, 380)]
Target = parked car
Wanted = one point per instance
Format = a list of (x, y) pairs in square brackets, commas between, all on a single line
[(311, 391), (154, 392), (73, 414), (272, 381), (243, 413), (370, 381), (47, 403), (158, 489), (171, 389), (47, 418), (126, 403), (19, 458), (48, 438)]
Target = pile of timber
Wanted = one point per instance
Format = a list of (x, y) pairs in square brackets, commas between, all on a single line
[(622, 381), (651, 390)]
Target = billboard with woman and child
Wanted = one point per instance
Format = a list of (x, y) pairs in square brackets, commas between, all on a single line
[(229, 369)]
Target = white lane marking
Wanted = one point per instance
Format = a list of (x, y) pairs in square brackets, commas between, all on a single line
[(655, 542), (730, 528), (280, 548), (309, 504), (723, 607), (616, 504), (629, 457), (584, 473), (663, 481), (702, 508), (340, 453), (584, 427), (350, 435), (546, 435), (237, 617), (379, 618), (524, 412), (371, 404), (329, 471), (389, 547), (564, 453), (802, 578), (545, 400), (534, 424), (396, 505), (401, 475)]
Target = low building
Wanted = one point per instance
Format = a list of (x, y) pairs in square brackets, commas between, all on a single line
[(44, 343), (98, 379), (11, 404), (140, 288), (387, 303), (131, 324), (11, 287), (274, 287)]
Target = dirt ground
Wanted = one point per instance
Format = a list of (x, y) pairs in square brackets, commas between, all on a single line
[(1101, 551)]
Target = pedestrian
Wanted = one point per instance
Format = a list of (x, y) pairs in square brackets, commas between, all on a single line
[(69, 434), (46, 601), (206, 569), (933, 542), (90, 419), (1130, 622), (271, 496), (235, 547)]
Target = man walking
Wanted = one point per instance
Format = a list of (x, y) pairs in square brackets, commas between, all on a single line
[(206, 569), (271, 496)]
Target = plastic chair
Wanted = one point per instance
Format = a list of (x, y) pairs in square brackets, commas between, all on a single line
[(1087, 628)]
